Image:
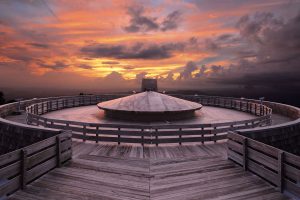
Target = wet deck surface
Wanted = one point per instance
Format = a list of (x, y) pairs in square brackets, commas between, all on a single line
[(107, 171)]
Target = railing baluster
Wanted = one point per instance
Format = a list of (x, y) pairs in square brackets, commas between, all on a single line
[(119, 137), (202, 134), (84, 133), (23, 168), (97, 134), (280, 171), (142, 137), (58, 151), (180, 129), (245, 154), (156, 136), (215, 134)]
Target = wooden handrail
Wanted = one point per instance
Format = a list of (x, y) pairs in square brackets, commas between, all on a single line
[(118, 132), (22, 166), (280, 168)]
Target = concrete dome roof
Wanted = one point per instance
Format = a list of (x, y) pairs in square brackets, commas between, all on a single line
[(149, 102)]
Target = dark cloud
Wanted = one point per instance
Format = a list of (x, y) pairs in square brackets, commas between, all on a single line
[(224, 37), (265, 55), (171, 21), (58, 65), (253, 27), (115, 76), (216, 69), (275, 58), (110, 63), (189, 68), (139, 22), (84, 66), (39, 45), (201, 71), (137, 51), (210, 45), (128, 67)]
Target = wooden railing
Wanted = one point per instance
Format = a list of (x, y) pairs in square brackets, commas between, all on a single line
[(278, 167), (20, 167), (148, 134)]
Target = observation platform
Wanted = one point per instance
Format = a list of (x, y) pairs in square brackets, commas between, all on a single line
[(149, 106), (208, 114), (216, 159), (103, 171)]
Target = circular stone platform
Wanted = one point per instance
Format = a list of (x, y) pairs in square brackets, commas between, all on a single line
[(149, 106), (92, 114)]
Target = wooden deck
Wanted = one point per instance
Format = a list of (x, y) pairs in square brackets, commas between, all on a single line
[(103, 171)]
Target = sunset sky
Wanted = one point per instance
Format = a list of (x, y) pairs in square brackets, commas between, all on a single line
[(191, 44)]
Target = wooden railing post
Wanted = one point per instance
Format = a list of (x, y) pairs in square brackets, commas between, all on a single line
[(35, 109), (84, 133), (97, 134), (280, 171), (119, 137), (245, 154), (202, 135), (215, 128), (248, 106), (142, 137), (42, 108), (156, 136), (180, 129), (58, 150), (260, 110), (50, 105), (23, 168)]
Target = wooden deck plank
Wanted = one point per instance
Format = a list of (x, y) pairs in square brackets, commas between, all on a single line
[(107, 171)]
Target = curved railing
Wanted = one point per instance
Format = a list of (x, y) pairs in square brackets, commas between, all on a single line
[(278, 167), (148, 134)]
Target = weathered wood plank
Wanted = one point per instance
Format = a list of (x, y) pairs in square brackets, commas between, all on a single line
[(235, 146), (41, 156), (267, 149), (41, 169), (11, 186), (292, 159), (10, 170), (292, 187), (263, 159), (262, 171), (10, 157), (40, 145), (235, 157)]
